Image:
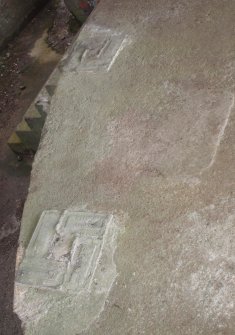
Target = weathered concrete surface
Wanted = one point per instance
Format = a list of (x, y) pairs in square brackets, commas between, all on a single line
[(12, 14), (141, 126)]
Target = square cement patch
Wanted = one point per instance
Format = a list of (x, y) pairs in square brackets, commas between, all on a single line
[(64, 250), (97, 51)]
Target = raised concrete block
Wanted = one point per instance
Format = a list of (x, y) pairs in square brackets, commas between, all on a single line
[(64, 251), (69, 262), (97, 51)]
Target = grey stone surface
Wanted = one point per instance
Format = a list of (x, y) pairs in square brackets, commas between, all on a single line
[(150, 139), (12, 14)]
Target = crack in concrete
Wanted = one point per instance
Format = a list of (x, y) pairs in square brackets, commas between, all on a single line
[(220, 136)]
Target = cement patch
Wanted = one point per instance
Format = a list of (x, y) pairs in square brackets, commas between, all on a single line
[(97, 50), (64, 251), (72, 254)]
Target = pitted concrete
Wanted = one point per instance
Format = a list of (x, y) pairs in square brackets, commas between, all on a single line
[(145, 131)]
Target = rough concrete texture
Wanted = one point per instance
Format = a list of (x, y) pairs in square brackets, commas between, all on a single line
[(141, 126), (13, 13)]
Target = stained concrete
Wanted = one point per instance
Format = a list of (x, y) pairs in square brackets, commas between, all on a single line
[(143, 128)]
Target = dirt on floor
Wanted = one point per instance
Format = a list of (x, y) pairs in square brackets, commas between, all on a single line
[(25, 65)]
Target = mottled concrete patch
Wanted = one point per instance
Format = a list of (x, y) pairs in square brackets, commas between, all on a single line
[(204, 275), (192, 277)]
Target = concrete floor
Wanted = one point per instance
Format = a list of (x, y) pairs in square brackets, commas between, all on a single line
[(141, 128)]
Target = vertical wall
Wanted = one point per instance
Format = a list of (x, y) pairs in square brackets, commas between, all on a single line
[(13, 14)]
